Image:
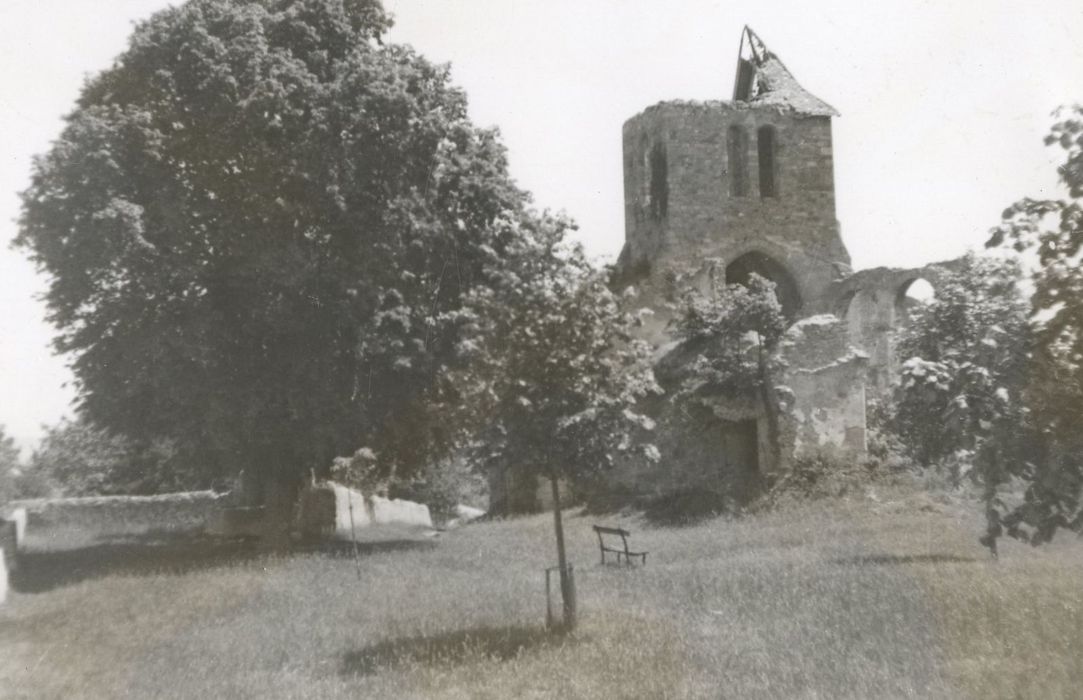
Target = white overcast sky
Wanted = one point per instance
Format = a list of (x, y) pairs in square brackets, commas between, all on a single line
[(943, 104)]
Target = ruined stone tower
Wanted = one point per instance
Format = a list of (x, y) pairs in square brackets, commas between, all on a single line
[(748, 182), (714, 192)]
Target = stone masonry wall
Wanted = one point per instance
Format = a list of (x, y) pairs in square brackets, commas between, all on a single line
[(116, 515), (826, 387), (797, 227), (872, 302)]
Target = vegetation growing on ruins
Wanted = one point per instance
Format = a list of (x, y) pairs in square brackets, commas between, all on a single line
[(734, 334)]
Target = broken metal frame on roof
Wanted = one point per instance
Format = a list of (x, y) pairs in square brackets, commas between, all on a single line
[(762, 79)]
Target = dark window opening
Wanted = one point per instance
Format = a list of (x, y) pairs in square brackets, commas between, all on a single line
[(737, 154), (739, 271), (765, 140), (659, 182)]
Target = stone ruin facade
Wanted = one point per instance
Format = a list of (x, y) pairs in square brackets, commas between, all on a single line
[(715, 191)]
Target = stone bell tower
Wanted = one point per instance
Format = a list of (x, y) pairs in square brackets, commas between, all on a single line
[(749, 182)]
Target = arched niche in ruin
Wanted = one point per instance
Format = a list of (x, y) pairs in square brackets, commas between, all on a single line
[(740, 270)]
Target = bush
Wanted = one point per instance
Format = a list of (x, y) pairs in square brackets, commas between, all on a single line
[(444, 485), (826, 472), (688, 506)]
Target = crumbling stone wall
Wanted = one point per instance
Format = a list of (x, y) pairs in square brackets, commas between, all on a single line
[(873, 304), (823, 388)]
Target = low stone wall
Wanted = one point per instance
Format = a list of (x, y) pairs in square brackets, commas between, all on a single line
[(105, 515), (326, 510), (3, 579), (9, 541)]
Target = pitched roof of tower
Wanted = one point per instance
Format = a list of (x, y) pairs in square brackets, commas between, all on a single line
[(763, 80)]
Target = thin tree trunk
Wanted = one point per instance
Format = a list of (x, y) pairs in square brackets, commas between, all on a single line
[(567, 592), (770, 408)]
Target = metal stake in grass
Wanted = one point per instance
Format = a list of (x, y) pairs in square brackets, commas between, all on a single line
[(567, 582), (353, 533)]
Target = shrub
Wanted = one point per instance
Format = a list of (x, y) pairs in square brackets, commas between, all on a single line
[(826, 472)]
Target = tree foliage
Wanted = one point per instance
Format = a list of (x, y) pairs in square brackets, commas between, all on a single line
[(81, 459), (255, 224), (10, 471), (1052, 230), (961, 399), (964, 363), (18, 480), (734, 337), (554, 372)]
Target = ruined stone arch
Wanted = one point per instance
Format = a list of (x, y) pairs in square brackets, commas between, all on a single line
[(905, 300), (764, 265)]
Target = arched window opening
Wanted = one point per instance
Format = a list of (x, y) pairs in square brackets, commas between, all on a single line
[(911, 297), (765, 143), (659, 192), (737, 155), (739, 271), (641, 174)]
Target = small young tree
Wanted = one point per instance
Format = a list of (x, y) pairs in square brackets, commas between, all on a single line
[(554, 371), (1053, 229)]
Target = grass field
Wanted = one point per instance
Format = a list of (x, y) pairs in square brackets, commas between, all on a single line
[(862, 598)]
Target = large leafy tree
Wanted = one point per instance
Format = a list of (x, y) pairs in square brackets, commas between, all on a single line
[(1052, 229), (254, 224), (554, 371)]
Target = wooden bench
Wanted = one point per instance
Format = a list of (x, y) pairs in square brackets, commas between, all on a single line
[(612, 533)]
